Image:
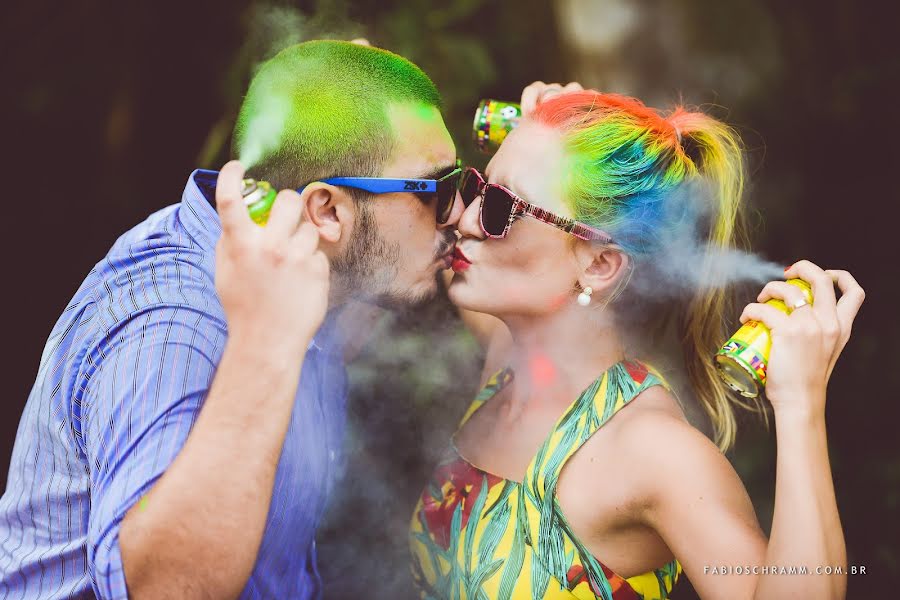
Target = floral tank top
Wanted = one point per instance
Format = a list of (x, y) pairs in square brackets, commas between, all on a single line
[(477, 536)]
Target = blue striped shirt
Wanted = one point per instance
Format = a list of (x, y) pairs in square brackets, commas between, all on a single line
[(121, 381)]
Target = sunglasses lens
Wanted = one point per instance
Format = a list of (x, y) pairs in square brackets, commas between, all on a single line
[(446, 194), (471, 185), (496, 210)]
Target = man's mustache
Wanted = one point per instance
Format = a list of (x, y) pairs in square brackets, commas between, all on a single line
[(447, 245)]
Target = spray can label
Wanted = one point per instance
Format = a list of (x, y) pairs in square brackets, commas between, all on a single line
[(743, 360), (494, 119)]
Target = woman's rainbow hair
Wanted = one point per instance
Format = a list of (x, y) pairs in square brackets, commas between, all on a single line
[(625, 166)]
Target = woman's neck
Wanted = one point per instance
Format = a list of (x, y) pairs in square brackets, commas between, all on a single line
[(564, 351)]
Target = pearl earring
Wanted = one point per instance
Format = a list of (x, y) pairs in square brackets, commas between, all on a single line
[(584, 298)]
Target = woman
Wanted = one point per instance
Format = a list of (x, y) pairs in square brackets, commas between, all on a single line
[(575, 473)]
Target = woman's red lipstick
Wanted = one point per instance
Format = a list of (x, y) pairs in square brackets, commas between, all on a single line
[(460, 262)]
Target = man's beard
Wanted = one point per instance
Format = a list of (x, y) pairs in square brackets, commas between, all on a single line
[(368, 268)]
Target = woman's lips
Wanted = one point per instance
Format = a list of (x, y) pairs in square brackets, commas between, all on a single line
[(460, 262)]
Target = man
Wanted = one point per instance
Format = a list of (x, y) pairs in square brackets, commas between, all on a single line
[(166, 449)]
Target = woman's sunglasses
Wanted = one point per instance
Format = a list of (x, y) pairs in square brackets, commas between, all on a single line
[(444, 186), (500, 207)]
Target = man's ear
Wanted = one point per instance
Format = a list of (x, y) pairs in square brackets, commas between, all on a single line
[(325, 206), (602, 268)]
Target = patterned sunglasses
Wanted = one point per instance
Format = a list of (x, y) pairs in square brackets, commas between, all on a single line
[(500, 207)]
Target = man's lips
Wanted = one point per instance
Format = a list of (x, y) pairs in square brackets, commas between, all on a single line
[(460, 262), (447, 258)]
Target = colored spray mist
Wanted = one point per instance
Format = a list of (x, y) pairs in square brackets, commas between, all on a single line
[(409, 388), (264, 130), (272, 28), (679, 262)]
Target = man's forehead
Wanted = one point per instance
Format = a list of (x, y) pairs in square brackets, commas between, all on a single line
[(423, 146), (420, 165)]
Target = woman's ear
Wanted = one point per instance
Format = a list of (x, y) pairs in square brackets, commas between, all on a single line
[(602, 267), (325, 206)]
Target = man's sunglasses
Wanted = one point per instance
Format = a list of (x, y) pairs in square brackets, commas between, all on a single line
[(500, 207), (444, 187)]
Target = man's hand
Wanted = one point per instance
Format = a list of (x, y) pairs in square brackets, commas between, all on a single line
[(197, 531), (273, 280)]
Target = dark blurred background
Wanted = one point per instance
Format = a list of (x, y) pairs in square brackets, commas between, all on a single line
[(108, 107)]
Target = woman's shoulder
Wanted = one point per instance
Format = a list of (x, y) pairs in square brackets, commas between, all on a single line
[(641, 448), (656, 415), (656, 400), (664, 450), (653, 421)]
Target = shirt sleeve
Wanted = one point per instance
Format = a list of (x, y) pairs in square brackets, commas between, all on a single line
[(145, 389)]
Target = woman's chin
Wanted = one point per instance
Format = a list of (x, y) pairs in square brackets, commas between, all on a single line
[(464, 297)]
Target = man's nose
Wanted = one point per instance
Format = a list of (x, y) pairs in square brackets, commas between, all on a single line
[(455, 213)]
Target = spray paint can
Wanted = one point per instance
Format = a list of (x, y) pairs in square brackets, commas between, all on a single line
[(494, 119), (258, 197), (743, 360)]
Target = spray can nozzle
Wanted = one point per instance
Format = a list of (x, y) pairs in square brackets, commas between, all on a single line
[(258, 196)]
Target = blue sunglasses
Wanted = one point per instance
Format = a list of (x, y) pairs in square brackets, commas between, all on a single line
[(445, 187)]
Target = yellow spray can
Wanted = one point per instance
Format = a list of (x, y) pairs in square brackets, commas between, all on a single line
[(743, 360), (494, 119)]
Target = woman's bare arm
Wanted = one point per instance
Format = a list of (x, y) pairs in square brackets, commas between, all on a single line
[(696, 501), (698, 505)]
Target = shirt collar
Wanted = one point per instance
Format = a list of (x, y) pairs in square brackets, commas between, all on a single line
[(202, 221), (197, 207), (329, 339)]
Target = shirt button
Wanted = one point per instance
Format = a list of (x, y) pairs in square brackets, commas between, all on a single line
[(331, 455)]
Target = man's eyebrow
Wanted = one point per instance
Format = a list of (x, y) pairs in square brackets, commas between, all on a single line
[(438, 173)]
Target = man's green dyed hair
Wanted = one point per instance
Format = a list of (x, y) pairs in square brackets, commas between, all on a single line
[(320, 109)]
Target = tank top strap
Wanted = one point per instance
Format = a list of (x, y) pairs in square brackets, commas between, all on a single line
[(608, 394), (494, 384)]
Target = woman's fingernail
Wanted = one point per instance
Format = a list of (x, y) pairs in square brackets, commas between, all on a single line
[(788, 268)]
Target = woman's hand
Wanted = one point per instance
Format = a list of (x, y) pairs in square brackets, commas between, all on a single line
[(538, 91), (807, 342)]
